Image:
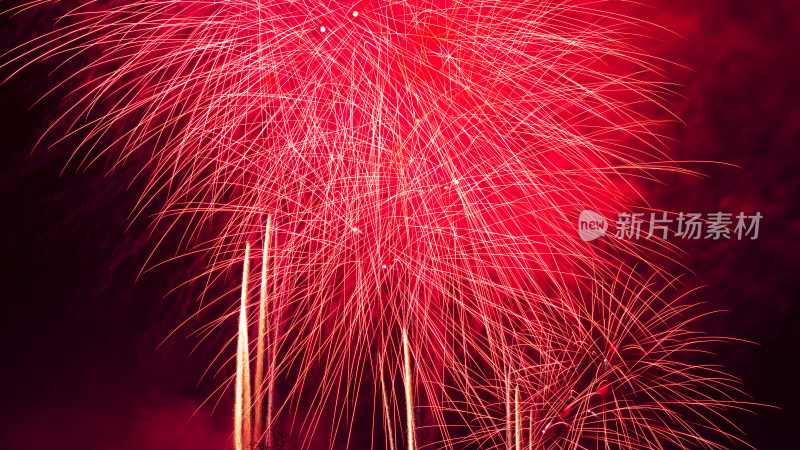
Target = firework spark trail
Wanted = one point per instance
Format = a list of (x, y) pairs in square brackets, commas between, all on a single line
[(419, 163), (242, 424), (408, 381), (517, 422), (530, 431), (387, 418), (260, 381), (509, 427)]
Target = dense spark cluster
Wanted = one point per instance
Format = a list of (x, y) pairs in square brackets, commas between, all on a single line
[(422, 164)]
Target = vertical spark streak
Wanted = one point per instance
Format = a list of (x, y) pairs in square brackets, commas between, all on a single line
[(262, 331), (508, 412), (388, 419), (517, 420), (530, 431), (412, 445), (241, 421), (273, 356)]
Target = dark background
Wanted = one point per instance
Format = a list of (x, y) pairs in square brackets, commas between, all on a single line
[(80, 329)]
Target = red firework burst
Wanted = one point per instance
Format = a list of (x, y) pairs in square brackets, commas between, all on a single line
[(417, 167)]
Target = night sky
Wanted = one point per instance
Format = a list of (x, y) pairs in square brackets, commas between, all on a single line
[(80, 327)]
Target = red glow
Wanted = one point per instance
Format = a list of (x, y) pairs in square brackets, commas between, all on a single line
[(423, 164)]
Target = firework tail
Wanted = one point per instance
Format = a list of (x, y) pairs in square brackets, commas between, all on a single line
[(517, 421), (508, 411), (530, 431), (388, 418), (241, 422), (273, 353), (259, 385), (412, 444)]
